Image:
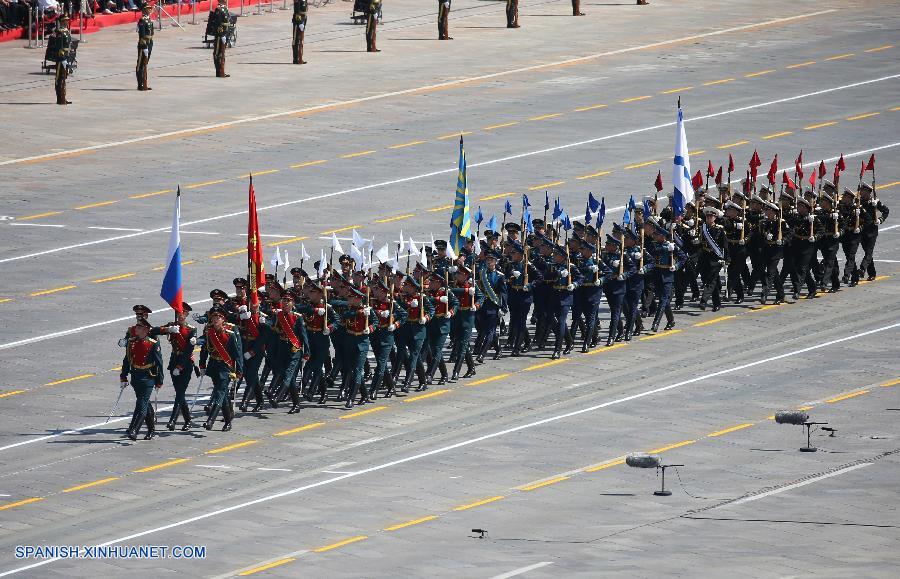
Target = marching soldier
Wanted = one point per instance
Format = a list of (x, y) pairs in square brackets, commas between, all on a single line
[(492, 284), (299, 28), (60, 45), (521, 276), (873, 213), (143, 363), (254, 336), (290, 345), (359, 322), (372, 25), (318, 319), (141, 312), (668, 258), (851, 216), (182, 337), (829, 242), (512, 13), (713, 255), (637, 264), (221, 348), (221, 25), (445, 307), (737, 275), (807, 229), (688, 230), (420, 309), (613, 284), (444, 20), (391, 315), (145, 47), (588, 295), (565, 277), (470, 298), (775, 234)]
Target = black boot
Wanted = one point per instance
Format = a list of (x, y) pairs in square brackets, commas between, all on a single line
[(470, 366), (186, 413), (170, 425), (211, 419), (457, 366), (569, 341), (131, 431), (228, 415), (151, 424), (442, 366)]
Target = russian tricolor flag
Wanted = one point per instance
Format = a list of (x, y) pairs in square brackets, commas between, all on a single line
[(171, 290)]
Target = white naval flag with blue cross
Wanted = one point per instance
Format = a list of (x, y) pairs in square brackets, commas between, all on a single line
[(681, 170)]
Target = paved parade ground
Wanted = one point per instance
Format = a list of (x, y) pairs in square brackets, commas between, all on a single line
[(530, 449)]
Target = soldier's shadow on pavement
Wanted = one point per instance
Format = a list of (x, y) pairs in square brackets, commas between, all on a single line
[(266, 63), (361, 50), (27, 104), (110, 89)]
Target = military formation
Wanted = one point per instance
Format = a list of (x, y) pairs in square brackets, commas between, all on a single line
[(530, 286)]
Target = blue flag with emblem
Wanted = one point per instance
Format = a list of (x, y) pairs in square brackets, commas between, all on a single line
[(557, 209), (601, 214), (646, 208), (492, 223), (626, 218), (479, 217), (525, 202), (529, 226), (587, 212), (508, 208), (459, 220), (566, 222)]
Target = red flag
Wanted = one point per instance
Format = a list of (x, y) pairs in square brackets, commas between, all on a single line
[(837, 176), (754, 160), (870, 166), (658, 184), (773, 169), (799, 160), (812, 179), (730, 163), (255, 263), (841, 164), (719, 176), (822, 170), (747, 184), (697, 181), (709, 170), (862, 169), (798, 169), (788, 181)]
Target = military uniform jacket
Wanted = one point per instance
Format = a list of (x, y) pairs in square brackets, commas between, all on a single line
[(733, 229), (441, 308), (182, 356), (357, 322), (800, 224), (769, 230), (516, 283), (62, 43), (143, 358), (468, 295), (633, 262), (831, 222), (288, 327), (145, 32), (493, 285), (713, 243), (222, 346), (383, 312), (868, 218), (300, 13), (663, 258), (416, 310), (221, 20)]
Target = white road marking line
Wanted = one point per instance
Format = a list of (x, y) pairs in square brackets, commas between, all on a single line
[(224, 466), (114, 228), (36, 225), (455, 169), (392, 94), (889, 227), (461, 444), (797, 485), (887, 260), (275, 469), (337, 471), (200, 232), (522, 570)]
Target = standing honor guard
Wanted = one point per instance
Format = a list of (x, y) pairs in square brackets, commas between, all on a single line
[(372, 25), (576, 8), (299, 26), (444, 20), (60, 44), (143, 362), (512, 13), (221, 23), (222, 349), (145, 47)]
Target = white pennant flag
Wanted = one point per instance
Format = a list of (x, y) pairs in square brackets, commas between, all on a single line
[(450, 253), (411, 246), (287, 262), (276, 258), (357, 256), (336, 245), (383, 254), (424, 259), (358, 241), (322, 264), (303, 254)]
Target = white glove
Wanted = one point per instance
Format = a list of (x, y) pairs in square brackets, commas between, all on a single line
[(721, 262), (594, 269), (570, 287), (779, 242), (444, 299), (563, 273), (672, 268), (738, 226), (453, 269), (244, 315), (366, 311), (320, 311), (856, 230), (392, 327), (856, 211), (769, 237), (620, 277), (516, 274), (471, 291), (176, 372), (223, 39), (242, 309), (146, 52), (835, 215), (248, 355), (422, 321), (836, 235), (326, 331), (689, 222), (670, 246), (302, 27), (123, 384), (645, 269), (193, 341), (879, 221), (812, 238), (385, 313), (173, 330), (615, 263), (448, 315), (741, 242), (367, 331), (123, 342), (695, 241), (811, 218), (414, 303), (447, 5)]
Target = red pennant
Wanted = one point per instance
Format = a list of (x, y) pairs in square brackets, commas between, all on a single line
[(754, 160), (799, 160), (788, 181), (841, 165), (773, 170), (862, 169), (719, 176), (697, 181), (747, 184), (822, 170), (812, 179), (709, 170), (870, 166), (731, 163), (658, 184), (837, 176), (798, 169)]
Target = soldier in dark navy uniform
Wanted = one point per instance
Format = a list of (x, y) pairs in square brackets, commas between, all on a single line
[(492, 284), (873, 213), (668, 258), (775, 233), (588, 295), (372, 25), (298, 24), (521, 277), (613, 284), (829, 242), (807, 229), (713, 255)]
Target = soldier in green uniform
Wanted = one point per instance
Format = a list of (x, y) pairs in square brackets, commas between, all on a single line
[(182, 337), (470, 298), (359, 322), (372, 25), (445, 307), (299, 26), (391, 315), (143, 363), (444, 20), (420, 308), (221, 24), (60, 44), (222, 349), (145, 47)]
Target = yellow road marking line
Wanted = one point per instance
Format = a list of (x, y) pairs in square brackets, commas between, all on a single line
[(308, 164), (639, 165), (501, 125), (634, 99), (885, 186), (424, 396), (441, 208), (340, 544), (397, 218), (605, 465), (341, 230), (363, 412), (498, 196), (161, 465), (891, 383), (545, 365), (72, 379), (737, 144), (713, 321), (20, 503), (143, 195), (299, 429), (229, 253), (804, 408), (267, 566), (760, 73), (682, 89), (4, 300), (545, 117), (799, 64), (732, 429), (38, 215), (714, 82), (660, 335), (820, 125), (443, 137), (491, 379), (592, 175), (692, 153), (204, 184), (589, 108), (895, 109), (767, 307), (162, 267), (545, 483), (100, 204), (546, 185), (605, 349), (115, 277), (846, 396), (115, 369), (879, 48), (863, 116), (286, 241), (409, 144), (478, 503), (11, 393), (841, 56), (399, 526), (231, 447), (102, 481), (52, 291), (776, 135), (258, 173), (671, 446), (881, 277), (359, 154)]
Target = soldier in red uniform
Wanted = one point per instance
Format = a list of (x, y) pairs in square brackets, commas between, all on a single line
[(143, 363), (222, 349), (359, 322), (182, 337), (289, 342)]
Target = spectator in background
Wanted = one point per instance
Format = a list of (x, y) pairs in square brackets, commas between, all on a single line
[(13, 14)]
